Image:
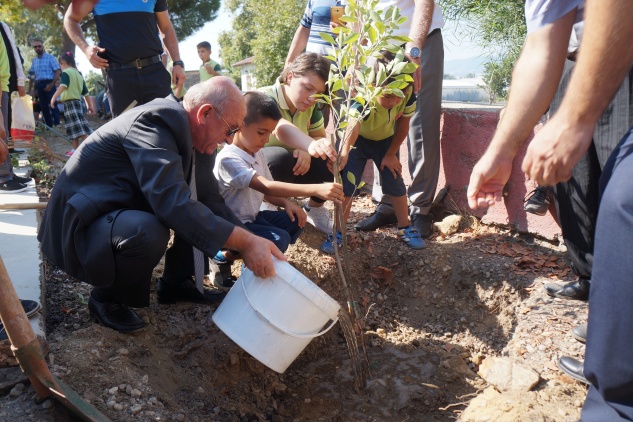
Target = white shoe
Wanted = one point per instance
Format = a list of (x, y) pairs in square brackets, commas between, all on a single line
[(320, 218)]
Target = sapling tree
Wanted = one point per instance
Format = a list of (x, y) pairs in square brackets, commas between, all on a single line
[(354, 83)]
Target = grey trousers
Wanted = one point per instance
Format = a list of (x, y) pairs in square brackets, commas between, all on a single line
[(424, 134), (577, 199), (6, 169)]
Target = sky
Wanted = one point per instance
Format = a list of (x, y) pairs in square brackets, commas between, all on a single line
[(455, 46)]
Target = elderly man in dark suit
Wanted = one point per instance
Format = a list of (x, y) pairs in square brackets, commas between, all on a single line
[(108, 219)]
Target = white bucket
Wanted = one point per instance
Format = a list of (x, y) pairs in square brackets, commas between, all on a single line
[(274, 319)]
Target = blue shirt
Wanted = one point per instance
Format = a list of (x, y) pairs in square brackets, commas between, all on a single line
[(317, 19), (44, 67)]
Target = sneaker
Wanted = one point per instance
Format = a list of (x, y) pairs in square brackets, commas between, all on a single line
[(70, 153), (30, 307), (411, 237), (376, 221), (319, 217), (538, 200), (219, 258), (12, 186), (328, 245), (24, 180)]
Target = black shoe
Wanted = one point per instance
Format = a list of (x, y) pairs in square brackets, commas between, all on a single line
[(573, 367), (184, 290), (538, 200), (23, 180), (12, 187), (423, 224), (15, 151), (222, 277), (577, 290), (375, 221), (115, 315), (30, 307), (580, 333)]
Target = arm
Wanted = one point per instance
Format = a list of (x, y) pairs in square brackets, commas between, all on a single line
[(292, 136), (57, 93), (534, 82), (255, 251), (210, 70), (72, 25), (422, 18), (4, 149), (606, 55), (293, 210), (390, 160), (327, 191), (171, 42), (298, 44), (55, 79)]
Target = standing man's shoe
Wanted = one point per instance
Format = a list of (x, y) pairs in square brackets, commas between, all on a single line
[(423, 224), (573, 367), (375, 221), (115, 315), (577, 290), (580, 333)]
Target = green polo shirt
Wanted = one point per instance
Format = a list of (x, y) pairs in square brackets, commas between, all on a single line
[(204, 75), (5, 70), (74, 83), (380, 123), (307, 121)]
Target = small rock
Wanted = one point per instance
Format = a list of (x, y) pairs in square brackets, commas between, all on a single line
[(135, 393), (449, 225), (179, 417), (123, 352), (508, 375), (128, 390), (307, 400), (200, 390), (145, 379), (234, 359), (122, 387), (118, 407), (47, 404), (110, 404), (136, 409), (17, 390)]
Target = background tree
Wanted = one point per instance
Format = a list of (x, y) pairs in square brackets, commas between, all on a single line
[(498, 26), (262, 29), (94, 82)]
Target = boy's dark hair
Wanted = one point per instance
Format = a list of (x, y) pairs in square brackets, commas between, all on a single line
[(68, 58), (387, 57), (204, 44), (260, 106), (306, 64)]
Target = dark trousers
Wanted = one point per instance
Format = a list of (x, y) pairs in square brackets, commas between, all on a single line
[(136, 86), (51, 115), (138, 241), (577, 199), (277, 227), (608, 363), (281, 163)]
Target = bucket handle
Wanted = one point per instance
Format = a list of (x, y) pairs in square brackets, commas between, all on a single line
[(283, 330)]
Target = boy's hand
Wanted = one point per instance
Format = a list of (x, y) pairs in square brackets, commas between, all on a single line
[(52, 102), (331, 192), (303, 162), (293, 210), (322, 148), (392, 162)]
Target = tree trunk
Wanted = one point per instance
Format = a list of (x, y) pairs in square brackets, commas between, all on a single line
[(67, 44)]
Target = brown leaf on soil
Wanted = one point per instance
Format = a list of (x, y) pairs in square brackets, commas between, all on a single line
[(382, 273), (365, 301), (66, 310)]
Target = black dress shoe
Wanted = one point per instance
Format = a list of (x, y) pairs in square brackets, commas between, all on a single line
[(184, 290), (115, 315), (423, 224), (580, 333), (573, 367), (577, 290), (375, 221)]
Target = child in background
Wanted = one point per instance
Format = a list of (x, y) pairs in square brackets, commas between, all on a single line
[(71, 89), (378, 137), (208, 68), (245, 181)]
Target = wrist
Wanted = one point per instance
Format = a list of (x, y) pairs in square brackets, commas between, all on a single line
[(179, 63)]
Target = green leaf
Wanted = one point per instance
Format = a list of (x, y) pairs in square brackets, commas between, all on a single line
[(399, 38), (348, 19), (351, 38), (399, 67), (380, 27), (351, 178), (338, 84), (360, 185), (360, 100), (327, 37), (372, 35), (410, 68)]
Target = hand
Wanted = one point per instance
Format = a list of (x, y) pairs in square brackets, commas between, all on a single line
[(257, 256), (208, 68), (48, 87), (392, 162), (293, 210), (178, 77), (303, 162), (490, 175), (555, 150), (331, 192), (322, 148), (91, 111), (53, 103), (96, 61), (335, 25), (342, 162), (21, 91), (4, 149)]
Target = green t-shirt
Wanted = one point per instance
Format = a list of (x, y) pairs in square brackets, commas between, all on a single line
[(380, 123), (204, 75), (74, 83), (5, 70), (307, 121)]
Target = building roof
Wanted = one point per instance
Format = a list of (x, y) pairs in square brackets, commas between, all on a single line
[(243, 62)]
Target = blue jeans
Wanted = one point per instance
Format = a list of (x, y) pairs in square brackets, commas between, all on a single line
[(51, 116), (276, 227)]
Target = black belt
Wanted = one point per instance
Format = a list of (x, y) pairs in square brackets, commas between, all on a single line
[(138, 63)]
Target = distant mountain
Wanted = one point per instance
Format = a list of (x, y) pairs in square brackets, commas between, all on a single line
[(461, 67)]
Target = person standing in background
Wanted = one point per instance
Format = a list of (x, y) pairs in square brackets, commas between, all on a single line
[(209, 68), (47, 73)]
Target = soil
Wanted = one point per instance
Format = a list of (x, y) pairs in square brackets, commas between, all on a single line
[(432, 317)]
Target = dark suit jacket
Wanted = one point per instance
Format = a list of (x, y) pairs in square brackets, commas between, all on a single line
[(142, 161)]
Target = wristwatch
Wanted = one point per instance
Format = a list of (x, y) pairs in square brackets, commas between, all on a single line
[(179, 63), (414, 52)]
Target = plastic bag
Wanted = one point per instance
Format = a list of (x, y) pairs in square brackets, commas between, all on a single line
[(22, 120)]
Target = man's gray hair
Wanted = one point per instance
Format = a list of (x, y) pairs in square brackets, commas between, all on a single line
[(208, 92)]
